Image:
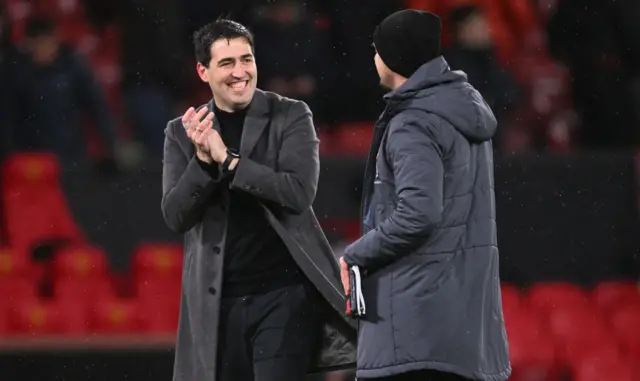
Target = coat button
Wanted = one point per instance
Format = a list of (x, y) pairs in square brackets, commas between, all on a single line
[(216, 250), (212, 291), (195, 195)]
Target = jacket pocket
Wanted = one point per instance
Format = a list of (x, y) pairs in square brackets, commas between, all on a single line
[(421, 274)]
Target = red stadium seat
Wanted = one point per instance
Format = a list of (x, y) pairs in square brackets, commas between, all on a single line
[(348, 229), (33, 317), (327, 146), (158, 260), (354, 138), (34, 169), (82, 290), (549, 295), (610, 294), (5, 328), (511, 298), (160, 292), (74, 318), (115, 316), (533, 359), (159, 301), (14, 265), (159, 316), (80, 261), (531, 350), (35, 208), (625, 322), (602, 355), (17, 288), (576, 330), (614, 370)]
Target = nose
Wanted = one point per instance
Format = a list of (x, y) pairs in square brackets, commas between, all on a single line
[(238, 71)]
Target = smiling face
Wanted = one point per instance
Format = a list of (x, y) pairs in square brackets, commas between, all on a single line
[(232, 73)]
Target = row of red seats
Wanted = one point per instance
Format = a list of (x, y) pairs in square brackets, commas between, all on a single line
[(76, 293), (558, 329), (82, 261)]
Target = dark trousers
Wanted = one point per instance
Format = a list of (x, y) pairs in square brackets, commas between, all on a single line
[(268, 337), (422, 375)]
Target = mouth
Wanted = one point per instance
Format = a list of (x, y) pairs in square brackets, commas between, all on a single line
[(239, 85)]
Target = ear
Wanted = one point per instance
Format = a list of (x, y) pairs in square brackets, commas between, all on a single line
[(203, 72)]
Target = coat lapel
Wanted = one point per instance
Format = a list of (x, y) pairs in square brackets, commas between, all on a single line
[(255, 123)]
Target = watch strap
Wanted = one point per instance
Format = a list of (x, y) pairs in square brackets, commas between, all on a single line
[(227, 162)]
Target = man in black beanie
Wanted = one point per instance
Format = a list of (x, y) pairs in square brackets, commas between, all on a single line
[(429, 255)]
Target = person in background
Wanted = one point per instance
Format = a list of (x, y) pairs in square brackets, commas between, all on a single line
[(52, 88), (472, 51), (429, 252), (6, 48), (599, 42), (286, 29), (153, 58)]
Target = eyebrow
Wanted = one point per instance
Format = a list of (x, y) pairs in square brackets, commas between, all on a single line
[(231, 59)]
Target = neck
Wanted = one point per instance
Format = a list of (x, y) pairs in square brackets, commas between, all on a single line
[(397, 81), (226, 108)]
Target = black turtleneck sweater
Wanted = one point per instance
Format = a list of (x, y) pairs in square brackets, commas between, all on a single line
[(256, 260)]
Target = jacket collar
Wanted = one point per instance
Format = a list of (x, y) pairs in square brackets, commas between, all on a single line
[(254, 124)]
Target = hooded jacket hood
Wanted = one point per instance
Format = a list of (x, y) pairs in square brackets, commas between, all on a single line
[(436, 89)]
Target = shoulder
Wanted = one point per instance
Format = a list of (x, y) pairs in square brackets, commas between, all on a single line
[(281, 104), (415, 121), (413, 128)]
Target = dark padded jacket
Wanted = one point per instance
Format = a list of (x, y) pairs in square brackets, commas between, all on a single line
[(429, 249)]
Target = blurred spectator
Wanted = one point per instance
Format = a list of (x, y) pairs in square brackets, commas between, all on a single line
[(356, 95), (5, 47), (49, 84), (599, 41), (472, 50), (292, 53), (156, 67)]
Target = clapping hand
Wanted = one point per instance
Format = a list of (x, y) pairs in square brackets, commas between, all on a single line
[(198, 131)]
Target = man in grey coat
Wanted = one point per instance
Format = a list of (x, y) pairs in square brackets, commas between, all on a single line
[(428, 254), (261, 294)]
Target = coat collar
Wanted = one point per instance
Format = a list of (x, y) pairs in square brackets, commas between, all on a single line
[(254, 124)]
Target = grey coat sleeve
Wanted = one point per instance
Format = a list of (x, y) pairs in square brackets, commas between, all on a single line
[(186, 186), (294, 184), (418, 175)]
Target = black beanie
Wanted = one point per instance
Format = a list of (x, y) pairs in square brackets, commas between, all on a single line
[(408, 39)]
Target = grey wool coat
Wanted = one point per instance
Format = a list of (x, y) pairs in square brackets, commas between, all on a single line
[(279, 166)]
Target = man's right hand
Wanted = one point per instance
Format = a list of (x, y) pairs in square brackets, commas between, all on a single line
[(198, 130)]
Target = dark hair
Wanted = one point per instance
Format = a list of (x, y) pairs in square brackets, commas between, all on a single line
[(204, 37), (39, 26)]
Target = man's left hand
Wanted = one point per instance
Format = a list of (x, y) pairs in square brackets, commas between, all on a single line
[(344, 276), (217, 147)]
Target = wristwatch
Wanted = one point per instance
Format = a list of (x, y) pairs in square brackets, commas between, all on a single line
[(231, 154)]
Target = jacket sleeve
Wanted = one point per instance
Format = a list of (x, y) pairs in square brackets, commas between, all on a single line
[(293, 185), (418, 175), (186, 185)]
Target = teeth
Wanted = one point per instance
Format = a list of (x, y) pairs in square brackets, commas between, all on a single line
[(239, 85)]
